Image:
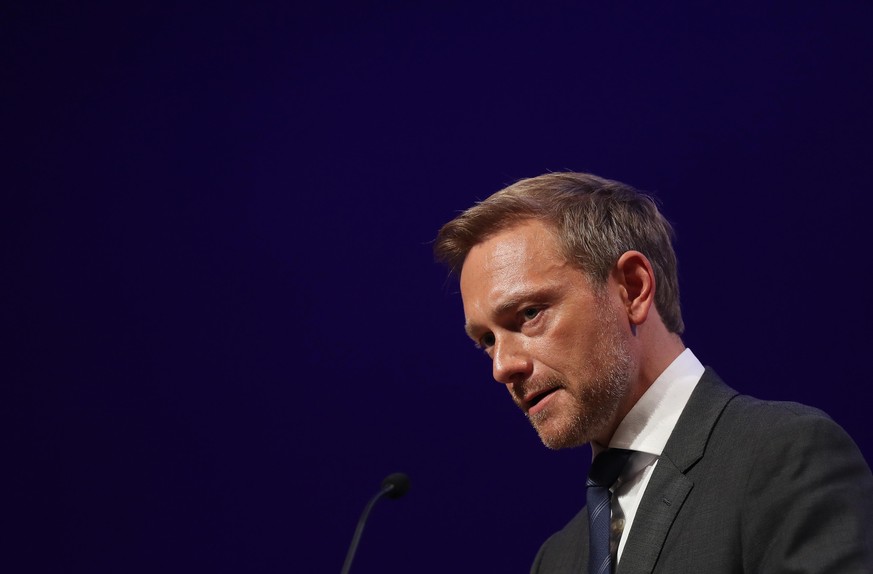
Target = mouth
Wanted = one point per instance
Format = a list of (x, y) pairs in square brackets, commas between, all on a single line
[(532, 400)]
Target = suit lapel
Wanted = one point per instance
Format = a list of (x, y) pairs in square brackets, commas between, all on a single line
[(669, 486)]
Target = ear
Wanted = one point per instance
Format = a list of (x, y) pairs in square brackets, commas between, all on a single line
[(636, 280)]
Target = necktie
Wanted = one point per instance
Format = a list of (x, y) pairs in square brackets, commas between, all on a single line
[(604, 472)]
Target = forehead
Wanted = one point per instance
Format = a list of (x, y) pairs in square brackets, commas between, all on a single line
[(515, 259)]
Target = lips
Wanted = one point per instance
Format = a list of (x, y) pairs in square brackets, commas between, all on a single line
[(534, 398)]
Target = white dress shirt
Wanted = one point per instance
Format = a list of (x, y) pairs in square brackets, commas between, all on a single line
[(645, 430)]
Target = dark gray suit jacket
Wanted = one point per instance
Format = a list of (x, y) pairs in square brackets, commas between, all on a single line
[(743, 486)]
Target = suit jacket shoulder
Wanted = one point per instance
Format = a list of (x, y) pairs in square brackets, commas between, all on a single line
[(743, 485)]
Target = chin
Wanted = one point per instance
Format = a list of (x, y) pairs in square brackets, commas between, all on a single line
[(560, 436), (558, 443)]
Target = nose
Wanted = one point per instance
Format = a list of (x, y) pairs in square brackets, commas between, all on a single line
[(510, 361)]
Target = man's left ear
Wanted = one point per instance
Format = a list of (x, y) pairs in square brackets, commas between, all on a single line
[(636, 279)]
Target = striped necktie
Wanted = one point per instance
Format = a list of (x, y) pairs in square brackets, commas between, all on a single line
[(604, 472)]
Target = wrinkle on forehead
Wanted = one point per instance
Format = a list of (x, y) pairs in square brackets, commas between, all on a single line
[(527, 243), (524, 244), (509, 265)]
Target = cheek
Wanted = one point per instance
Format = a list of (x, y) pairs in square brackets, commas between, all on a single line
[(572, 348), (581, 337)]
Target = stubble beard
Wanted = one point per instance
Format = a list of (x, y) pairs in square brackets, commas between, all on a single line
[(593, 404)]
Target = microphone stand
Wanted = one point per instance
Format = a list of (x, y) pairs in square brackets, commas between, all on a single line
[(394, 486)]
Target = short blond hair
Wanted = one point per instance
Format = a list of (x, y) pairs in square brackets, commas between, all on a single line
[(596, 221)]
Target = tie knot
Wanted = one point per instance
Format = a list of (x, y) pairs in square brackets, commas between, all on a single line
[(607, 467)]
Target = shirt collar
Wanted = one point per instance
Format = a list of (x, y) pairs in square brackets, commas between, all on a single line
[(650, 422)]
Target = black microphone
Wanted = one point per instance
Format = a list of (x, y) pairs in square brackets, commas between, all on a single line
[(394, 486)]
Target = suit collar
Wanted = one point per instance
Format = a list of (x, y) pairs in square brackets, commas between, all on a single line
[(689, 438), (669, 486)]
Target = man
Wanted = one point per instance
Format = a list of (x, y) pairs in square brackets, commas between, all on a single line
[(569, 285)]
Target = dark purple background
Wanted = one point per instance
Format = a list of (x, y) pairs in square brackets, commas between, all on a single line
[(224, 322)]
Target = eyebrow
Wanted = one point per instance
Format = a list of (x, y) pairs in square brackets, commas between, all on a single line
[(513, 301), (469, 330)]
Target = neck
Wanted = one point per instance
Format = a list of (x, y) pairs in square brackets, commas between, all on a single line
[(655, 349)]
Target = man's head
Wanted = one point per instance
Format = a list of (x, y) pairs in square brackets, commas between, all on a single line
[(596, 220), (557, 272)]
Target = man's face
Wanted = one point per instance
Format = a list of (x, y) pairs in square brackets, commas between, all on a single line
[(559, 346)]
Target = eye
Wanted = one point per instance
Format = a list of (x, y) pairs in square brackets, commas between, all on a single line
[(530, 313), (487, 341)]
